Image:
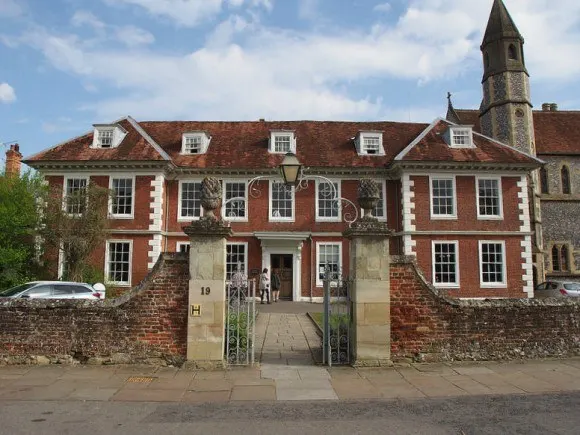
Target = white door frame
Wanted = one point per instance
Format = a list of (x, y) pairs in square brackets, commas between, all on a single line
[(270, 248)]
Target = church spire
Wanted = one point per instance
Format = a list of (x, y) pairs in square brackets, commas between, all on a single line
[(500, 25), (452, 115)]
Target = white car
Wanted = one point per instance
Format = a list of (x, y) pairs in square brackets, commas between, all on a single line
[(55, 290)]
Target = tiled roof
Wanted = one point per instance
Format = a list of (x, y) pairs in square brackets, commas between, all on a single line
[(244, 145), (133, 148), (433, 148), (556, 132)]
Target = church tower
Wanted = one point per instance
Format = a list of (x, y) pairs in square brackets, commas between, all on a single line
[(506, 109)]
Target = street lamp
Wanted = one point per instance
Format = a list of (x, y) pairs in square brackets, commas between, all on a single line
[(290, 169)]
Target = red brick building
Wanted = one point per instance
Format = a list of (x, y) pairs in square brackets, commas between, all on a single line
[(455, 199)]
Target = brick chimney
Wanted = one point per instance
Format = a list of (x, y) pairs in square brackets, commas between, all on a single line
[(13, 161), (546, 107), (553, 107)]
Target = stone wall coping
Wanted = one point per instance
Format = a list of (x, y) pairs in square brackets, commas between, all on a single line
[(409, 260), (93, 304), (207, 227), (368, 227)]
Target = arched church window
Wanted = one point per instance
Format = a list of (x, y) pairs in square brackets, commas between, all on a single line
[(512, 52), (565, 175), (564, 259), (544, 180), (486, 59)]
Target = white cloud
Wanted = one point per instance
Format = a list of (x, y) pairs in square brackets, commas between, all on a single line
[(7, 94), (85, 18), (10, 8), (280, 73), (308, 9), (382, 7), (190, 13), (133, 36)]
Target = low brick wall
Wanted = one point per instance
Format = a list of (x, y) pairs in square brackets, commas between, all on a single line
[(427, 326), (146, 325)]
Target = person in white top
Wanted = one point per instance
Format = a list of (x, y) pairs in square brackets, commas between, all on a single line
[(264, 285)]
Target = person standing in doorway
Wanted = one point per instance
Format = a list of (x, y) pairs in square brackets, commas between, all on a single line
[(264, 285), (275, 285)]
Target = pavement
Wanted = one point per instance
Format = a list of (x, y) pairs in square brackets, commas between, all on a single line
[(287, 349)]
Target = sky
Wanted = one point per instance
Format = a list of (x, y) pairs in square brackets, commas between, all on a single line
[(67, 64)]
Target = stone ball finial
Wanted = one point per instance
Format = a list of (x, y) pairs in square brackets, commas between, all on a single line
[(368, 196), (211, 196)]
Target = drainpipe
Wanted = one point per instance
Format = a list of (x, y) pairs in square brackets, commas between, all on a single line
[(312, 259)]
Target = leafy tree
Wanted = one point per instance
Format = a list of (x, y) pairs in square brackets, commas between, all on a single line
[(19, 220), (77, 227)]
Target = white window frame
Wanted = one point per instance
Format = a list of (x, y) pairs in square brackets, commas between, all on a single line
[(205, 140), (467, 133), (178, 245), (273, 218), (319, 282), (360, 143), (504, 267), (181, 218), (133, 192), (65, 190), (431, 204), (107, 267), (500, 197), (233, 218), (336, 218), (457, 279), (282, 133), (246, 256), (117, 136)]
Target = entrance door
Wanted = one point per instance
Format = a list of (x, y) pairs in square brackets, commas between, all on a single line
[(282, 263)]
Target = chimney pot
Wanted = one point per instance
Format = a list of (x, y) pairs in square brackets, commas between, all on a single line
[(546, 107), (554, 107), (262, 119)]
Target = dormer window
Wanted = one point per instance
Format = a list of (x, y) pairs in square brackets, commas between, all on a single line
[(282, 142), (108, 136), (460, 137), (370, 143), (195, 143), (105, 138)]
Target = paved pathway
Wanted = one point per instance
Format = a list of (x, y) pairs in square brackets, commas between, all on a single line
[(272, 382)]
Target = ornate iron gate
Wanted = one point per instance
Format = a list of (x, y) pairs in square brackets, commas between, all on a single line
[(337, 319), (240, 334)]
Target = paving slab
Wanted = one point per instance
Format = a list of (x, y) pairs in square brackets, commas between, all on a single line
[(206, 396), (149, 395), (210, 385), (354, 389), (253, 392), (96, 394)]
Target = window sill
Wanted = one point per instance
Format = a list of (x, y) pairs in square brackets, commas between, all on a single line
[(443, 217), (118, 284), (321, 219), (445, 285), (499, 285), (289, 220), (489, 218), (188, 219), (120, 216)]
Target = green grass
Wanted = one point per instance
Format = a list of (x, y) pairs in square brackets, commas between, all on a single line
[(336, 320)]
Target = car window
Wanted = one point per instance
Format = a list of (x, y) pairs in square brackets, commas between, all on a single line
[(572, 286), (79, 289), (15, 290), (552, 285), (62, 290), (43, 290), (541, 286)]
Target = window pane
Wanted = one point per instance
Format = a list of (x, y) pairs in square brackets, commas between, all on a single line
[(492, 263), (119, 262), (235, 259), (282, 143), (282, 198), (371, 145), (183, 247), (328, 206), (193, 144), (235, 199), (191, 199), (379, 210), (76, 195), (122, 196), (489, 197), (445, 263), (329, 259), (442, 192), (105, 138), (460, 137)]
